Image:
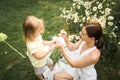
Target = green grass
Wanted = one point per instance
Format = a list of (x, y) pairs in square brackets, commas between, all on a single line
[(13, 13)]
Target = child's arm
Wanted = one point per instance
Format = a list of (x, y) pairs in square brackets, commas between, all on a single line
[(49, 42), (44, 53)]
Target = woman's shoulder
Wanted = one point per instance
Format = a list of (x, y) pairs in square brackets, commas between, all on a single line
[(95, 54)]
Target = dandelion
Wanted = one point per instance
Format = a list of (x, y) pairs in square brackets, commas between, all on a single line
[(3, 37)]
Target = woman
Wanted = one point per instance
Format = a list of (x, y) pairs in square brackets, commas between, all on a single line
[(89, 52)]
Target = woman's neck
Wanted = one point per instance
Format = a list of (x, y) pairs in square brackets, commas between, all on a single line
[(90, 45)]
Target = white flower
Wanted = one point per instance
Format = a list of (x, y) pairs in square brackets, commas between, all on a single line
[(73, 4), (70, 37), (78, 7), (97, 2), (87, 5), (100, 6), (113, 3), (119, 43), (102, 12), (77, 37), (83, 19), (114, 34), (110, 17), (107, 11), (110, 23), (87, 13), (64, 10), (5, 52), (94, 8), (60, 8), (81, 25), (88, 18), (108, 4)]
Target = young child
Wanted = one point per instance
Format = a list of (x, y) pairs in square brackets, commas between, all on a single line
[(37, 49)]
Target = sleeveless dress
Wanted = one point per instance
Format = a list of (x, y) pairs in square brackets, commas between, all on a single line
[(89, 72)]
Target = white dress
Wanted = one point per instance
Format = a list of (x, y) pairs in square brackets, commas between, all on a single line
[(63, 65), (89, 72)]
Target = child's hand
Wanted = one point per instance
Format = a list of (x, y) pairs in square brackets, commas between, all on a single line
[(51, 48), (53, 41), (63, 34), (59, 45)]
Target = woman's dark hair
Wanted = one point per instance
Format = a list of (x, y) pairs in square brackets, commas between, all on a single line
[(95, 30)]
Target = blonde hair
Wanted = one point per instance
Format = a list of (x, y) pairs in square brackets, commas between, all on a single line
[(30, 25)]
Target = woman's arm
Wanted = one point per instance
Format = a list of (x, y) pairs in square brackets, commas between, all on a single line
[(69, 45), (91, 58)]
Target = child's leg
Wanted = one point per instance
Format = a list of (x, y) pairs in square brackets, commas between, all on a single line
[(50, 63), (40, 76), (39, 71)]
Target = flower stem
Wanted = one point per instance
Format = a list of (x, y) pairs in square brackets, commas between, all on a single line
[(14, 49)]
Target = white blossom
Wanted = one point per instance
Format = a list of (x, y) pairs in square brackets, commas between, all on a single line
[(110, 17), (107, 11), (100, 6), (94, 8), (110, 23), (114, 34), (96, 12), (119, 43)]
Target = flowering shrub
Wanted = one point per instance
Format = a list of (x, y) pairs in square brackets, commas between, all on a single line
[(83, 11), (73, 38)]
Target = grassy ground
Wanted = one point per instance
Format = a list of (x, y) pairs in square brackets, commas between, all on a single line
[(13, 13)]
